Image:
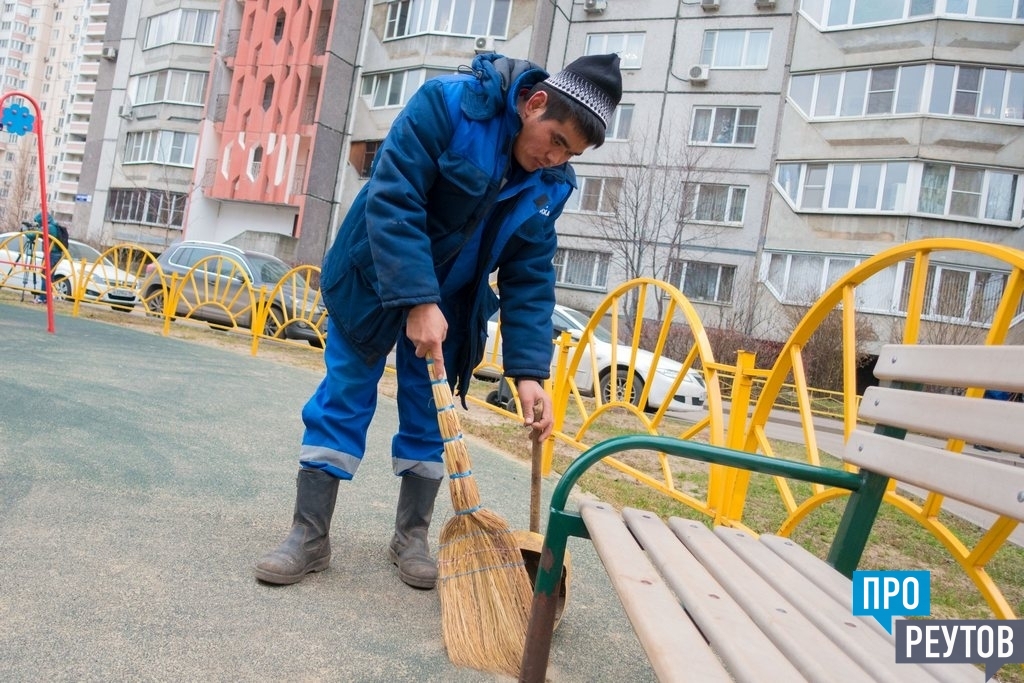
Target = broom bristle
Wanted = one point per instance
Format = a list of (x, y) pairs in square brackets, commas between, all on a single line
[(484, 588), (485, 593)]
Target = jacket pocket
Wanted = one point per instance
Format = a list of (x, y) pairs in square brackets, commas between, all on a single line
[(459, 195)]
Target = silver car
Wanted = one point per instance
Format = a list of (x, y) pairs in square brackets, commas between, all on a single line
[(220, 284)]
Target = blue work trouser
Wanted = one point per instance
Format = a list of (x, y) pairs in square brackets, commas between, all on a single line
[(338, 414)]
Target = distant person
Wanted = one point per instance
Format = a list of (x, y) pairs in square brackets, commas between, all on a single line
[(995, 396), (58, 243), (469, 180)]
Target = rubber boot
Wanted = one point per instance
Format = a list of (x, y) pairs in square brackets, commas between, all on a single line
[(308, 545), (409, 549)]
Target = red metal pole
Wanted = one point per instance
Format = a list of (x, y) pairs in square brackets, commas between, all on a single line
[(37, 128)]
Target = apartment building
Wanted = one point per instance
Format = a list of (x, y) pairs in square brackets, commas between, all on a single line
[(902, 121), (762, 147), (48, 50), (679, 191)]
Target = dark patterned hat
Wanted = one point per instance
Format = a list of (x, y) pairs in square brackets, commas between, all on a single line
[(594, 81)]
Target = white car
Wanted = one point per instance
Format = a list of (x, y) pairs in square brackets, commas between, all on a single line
[(690, 395), (106, 283)]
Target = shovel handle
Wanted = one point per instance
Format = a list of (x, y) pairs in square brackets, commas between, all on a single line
[(537, 455)]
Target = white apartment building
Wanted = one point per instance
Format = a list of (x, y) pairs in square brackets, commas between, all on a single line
[(44, 54), (902, 121), (762, 147)]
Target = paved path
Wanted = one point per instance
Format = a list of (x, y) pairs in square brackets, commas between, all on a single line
[(140, 476)]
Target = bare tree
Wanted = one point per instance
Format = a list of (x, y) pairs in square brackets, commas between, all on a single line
[(650, 221), (22, 189)]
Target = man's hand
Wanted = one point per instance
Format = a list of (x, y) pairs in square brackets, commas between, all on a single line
[(531, 393), (426, 328)]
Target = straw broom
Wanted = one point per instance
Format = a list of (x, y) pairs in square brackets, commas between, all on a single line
[(483, 585)]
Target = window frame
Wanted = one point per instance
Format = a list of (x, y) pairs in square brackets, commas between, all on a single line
[(712, 56), (631, 52), (598, 280), (609, 190), (737, 126), (725, 279)]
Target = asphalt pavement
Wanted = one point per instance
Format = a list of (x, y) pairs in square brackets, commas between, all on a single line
[(141, 476)]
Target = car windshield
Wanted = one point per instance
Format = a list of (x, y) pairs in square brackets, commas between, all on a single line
[(571, 319), (83, 252), (269, 270)]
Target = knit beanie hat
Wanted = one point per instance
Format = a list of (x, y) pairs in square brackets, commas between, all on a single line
[(594, 81)]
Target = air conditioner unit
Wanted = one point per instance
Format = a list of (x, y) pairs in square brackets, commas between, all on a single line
[(595, 6), (110, 53), (483, 44), (126, 112), (709, 5), (699, 74), (764, 4)]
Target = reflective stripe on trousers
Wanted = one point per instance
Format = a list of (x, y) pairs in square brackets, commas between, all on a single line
[(338, 413)]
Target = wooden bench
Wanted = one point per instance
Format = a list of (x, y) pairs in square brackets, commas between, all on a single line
[(710, 605)]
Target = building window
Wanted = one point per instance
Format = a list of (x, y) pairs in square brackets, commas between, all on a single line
[(620, 124), (581, 268), (837, 14), (461, 17), (866, 186), (968, 192), (171, 85), (362, 154), (394, 88), (702, 281), (191, 26), (955, 294), (161, 147), (803, 278), (736, 49), (268, 93), (723, 126), (939, 89), (147, 207), (279, 26), (255, 162), (711, 203), (929, 188), (595, 195), (628, 46)]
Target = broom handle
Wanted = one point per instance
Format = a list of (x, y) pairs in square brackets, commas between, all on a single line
[(537, 455)]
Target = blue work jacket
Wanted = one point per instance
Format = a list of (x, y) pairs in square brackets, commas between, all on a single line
[(439, 214)]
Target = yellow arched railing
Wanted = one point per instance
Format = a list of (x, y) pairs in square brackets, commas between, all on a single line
[(632, 384), (919, 325), (217, 290)]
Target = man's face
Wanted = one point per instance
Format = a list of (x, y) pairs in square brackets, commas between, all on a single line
[(542, 144)]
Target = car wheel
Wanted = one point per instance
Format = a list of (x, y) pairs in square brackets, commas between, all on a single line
[(316, 343), (272, 327), (625, 390), (154, 302), (492, 398), (63, 288)]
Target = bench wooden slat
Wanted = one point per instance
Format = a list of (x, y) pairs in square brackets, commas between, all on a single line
[(822, 575), (871, 647), (999, 424), (748, 653), (993, 486), (811, 651), (674, 646), (990, 367)]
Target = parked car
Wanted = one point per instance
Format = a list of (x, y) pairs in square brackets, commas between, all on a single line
[(104, 282), (690, 395), (217, 291)]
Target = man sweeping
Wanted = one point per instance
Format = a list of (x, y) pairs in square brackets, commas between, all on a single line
[(470, 179)]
